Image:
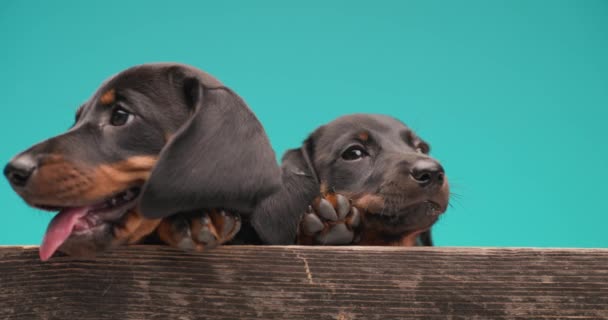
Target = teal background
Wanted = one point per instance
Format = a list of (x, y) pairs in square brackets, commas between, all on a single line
[(512, 95)]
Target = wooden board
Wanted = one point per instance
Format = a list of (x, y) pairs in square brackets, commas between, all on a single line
[(246, 282)]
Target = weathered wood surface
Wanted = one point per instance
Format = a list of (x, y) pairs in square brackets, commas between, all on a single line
[(244, 282)]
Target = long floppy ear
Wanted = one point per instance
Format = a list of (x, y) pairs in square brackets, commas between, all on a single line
[(277, 217), (220, 158)]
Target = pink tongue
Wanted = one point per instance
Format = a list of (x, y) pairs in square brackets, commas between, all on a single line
[(59, 230)]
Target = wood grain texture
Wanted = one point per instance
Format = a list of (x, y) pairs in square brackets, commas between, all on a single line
[(245, 282)]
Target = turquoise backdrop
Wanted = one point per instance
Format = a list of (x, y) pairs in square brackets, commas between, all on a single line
[(512, 95)]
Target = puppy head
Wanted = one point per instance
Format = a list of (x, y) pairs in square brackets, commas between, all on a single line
[(133, 131), (384, 167)]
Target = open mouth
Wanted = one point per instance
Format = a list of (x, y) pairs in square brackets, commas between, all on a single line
[(83, 220)]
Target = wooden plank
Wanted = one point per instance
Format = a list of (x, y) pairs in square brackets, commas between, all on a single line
[(246, 282)]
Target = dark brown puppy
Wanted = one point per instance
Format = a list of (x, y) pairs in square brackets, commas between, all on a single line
[(167, 136), (373, 163)]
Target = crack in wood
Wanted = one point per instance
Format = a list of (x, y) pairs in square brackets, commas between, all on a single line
[(306, 267)]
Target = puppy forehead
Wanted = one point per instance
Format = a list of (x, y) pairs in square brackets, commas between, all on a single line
[(133, 85), (162, 73), (360, 127), (139, 79), (370, 122), (152, 79)]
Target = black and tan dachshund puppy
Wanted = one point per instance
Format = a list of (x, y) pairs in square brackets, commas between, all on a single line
[(374, 183), (154, 140)]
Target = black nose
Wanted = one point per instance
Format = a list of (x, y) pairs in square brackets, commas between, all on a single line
[(19, 170), (427, 172)]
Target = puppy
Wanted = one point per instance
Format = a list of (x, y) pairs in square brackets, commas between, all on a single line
[(374, 184), (152, 141)]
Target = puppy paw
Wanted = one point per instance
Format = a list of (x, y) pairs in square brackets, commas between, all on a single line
[(330, 220), (199, 231)]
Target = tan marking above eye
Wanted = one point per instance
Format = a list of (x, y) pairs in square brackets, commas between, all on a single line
[(364, 136), (108, 97)]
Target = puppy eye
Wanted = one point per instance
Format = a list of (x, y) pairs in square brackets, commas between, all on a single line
[(354, 153), (120, 117)]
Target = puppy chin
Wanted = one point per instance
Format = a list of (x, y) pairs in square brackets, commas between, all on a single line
[(89, 244), (412, 218), (396, 216)]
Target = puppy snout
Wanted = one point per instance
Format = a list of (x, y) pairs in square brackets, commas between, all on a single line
[(428, 173), (19, 170)]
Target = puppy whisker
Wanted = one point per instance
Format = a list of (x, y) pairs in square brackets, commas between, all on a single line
[(454, 203)]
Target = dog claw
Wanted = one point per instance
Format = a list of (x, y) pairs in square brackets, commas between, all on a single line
[(196, 232), (181, 229), (186, 244), (181, 226), (228, 224), (232, 224), (207, 237), (332, 220), (326, 210), (339, 234), (355, 218), (343, 206), (312, 224)]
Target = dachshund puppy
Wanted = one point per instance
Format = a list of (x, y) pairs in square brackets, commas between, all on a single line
[(373, 181), (153, 141)]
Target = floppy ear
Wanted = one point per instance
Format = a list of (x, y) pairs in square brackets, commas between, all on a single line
[(220, 158), (277, 217)]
